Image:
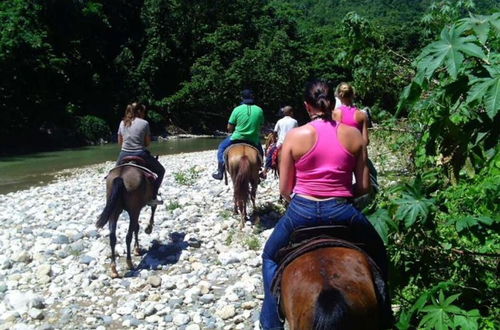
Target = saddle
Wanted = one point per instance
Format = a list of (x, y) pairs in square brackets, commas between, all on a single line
[(238, 144), (304, 240), (139, 163)]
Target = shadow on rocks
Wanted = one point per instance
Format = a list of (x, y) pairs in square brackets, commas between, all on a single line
[(266, 216), (164, 254)]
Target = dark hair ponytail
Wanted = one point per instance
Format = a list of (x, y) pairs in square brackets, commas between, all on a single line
[(319, 95)]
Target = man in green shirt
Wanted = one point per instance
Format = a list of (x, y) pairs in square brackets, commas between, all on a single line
[(245, 123)]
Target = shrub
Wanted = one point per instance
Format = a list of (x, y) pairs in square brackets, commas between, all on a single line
[(92, 129)]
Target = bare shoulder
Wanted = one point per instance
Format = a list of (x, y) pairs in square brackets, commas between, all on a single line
[(350, 137), (301, 132), (337, 114), (361, 116)]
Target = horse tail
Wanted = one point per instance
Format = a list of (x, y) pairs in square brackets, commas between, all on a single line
[(332, 311), (112, 203), (242, 180)]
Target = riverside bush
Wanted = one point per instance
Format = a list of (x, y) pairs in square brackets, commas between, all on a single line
[(93, 129)]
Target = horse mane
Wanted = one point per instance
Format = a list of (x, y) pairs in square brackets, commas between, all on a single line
[(332, 311), (241, 191)]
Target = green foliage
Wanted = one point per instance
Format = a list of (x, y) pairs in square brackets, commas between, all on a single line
[(446, 219), (93, 129), (413, 205), (438, 312), (253, 243), (458, 75), (225, 214), (173, 205), (187, 177)]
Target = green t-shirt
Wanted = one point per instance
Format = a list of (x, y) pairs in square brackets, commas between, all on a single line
[(248, 120)]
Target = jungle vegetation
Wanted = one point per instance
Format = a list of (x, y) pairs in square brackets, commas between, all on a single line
[(69, 67)]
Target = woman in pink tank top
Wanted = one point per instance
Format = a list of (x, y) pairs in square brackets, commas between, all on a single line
[(347, 113), (316, 167)]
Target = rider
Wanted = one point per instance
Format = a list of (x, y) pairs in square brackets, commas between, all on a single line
[(317, 163), (133, 137), (285, 124), (347, 113), (245, 123), (282, 127)]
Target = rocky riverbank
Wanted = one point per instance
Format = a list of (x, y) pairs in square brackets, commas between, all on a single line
[(199, 270), (54, 264)]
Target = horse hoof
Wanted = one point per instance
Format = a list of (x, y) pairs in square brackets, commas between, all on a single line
[(114, 273), (137, 252), (130, 265), (148, 230)]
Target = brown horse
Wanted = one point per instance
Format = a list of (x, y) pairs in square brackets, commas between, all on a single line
[(330, 288), (127, 188), (243, 164)]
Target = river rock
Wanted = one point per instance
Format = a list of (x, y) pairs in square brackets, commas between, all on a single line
[(155, 281), (36, 314), (226, 312), (181, 319)]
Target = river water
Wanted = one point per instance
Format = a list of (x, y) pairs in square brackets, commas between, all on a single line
[(22, 172)]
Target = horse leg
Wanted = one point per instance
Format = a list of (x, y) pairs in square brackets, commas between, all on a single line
[(235, 201), (132, 227), (243, 213), (149, 228), (253, 193), (112, 241)]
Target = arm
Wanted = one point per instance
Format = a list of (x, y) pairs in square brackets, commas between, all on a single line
[(147, 140), (232, 121), (147, 136), (287, 168), (364, 130), (352, 140), (120, 135), (362, 173)]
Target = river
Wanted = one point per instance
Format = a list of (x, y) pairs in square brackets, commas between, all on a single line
[(22, 172)]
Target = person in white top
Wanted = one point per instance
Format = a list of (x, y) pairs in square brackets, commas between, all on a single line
[(285, 124), (282, 127)]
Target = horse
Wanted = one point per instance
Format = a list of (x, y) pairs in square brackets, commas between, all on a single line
[(127, 188), (243, 164), (330, 288)]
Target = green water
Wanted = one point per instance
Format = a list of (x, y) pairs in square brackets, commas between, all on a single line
[(22, 172)]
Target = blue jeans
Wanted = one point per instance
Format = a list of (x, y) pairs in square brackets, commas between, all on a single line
[(152, 163), (227, 142), (303, 212)]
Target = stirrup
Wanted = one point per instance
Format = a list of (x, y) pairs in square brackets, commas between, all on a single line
[(154, 202)]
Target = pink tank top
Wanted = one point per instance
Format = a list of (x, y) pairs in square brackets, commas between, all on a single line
[(349, 116), (325, 170)]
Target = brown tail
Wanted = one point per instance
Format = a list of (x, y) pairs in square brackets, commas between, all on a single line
[(242, 181), (112, 203)]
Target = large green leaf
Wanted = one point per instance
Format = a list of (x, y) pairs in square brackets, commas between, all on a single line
[(488, 91), (412, 207), (449, 51), (381, 220), (479, 24)]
